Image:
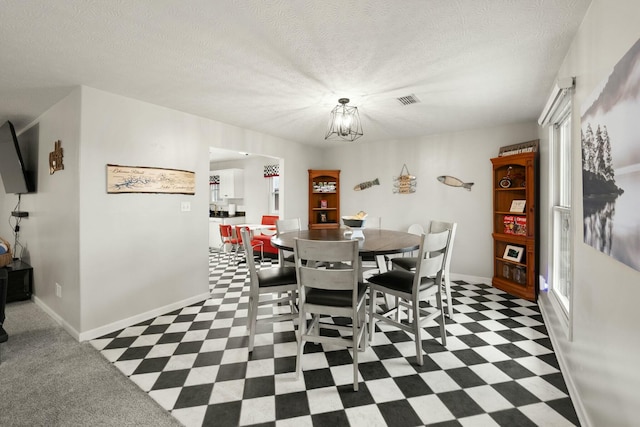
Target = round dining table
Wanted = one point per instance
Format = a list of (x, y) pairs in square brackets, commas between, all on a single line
[(376, 241)]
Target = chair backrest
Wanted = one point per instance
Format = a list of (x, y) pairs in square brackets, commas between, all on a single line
[(431, 258), (226, 232), (251, 263), (436, 226), (240, 235), (269, 219), (373, 222), (283, 225), (316, 275), (416, 229)]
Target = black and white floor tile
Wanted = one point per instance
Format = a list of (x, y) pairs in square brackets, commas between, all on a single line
[(498, 368)]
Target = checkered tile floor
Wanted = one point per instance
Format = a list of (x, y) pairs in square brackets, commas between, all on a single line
[(498, 369)]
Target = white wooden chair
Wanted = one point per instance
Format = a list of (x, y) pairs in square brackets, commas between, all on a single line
[(282, 226), (409, 263), (332, 292), (276, 285), (411, 287)]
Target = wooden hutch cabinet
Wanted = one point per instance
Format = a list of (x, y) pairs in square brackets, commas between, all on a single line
[(515, 224), (324, 199)]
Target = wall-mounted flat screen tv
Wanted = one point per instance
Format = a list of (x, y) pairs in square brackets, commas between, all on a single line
[(12, 170)]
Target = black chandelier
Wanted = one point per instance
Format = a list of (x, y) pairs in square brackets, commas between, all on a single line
[(344, 122)]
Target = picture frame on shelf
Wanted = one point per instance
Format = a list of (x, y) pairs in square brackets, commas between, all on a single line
[(513, 253), (517, 206)]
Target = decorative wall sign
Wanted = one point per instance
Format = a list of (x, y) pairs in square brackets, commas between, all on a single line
[(367, 184), (404, 183), (55, 158), (611, 162), (522, 147), (452, 181), (142, 179)]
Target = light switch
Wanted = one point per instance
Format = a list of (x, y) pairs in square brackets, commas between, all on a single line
[(185, 207)]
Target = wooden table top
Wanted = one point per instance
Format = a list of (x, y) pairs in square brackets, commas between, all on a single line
[(376, 241)]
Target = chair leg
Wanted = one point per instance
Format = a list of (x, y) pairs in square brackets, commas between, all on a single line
[(302, 330), (417, 330), (447, 289), (372, 310), (253, 320), (443, 331), (355, 331)]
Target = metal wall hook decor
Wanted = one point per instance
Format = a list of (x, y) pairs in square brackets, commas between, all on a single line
[(404, 183)]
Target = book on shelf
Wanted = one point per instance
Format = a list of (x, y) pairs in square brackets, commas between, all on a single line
[(516, 225)]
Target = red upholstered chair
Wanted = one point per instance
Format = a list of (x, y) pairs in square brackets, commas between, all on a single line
[(226, 234), (265, 235), (254, 243)]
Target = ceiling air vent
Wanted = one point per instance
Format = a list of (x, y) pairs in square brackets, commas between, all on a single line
[(408, 100)]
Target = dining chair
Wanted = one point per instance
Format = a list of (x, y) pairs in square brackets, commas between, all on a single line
[(411, 287), (227, 237), (330, 292), (254, 243), (282, 226), (373, 222), (276, 285), (409, 263)]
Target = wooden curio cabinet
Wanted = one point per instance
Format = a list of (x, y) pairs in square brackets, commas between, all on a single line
[(515, 224), (324, 199)]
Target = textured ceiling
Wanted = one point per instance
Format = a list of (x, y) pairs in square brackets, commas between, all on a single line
[(279, 66)]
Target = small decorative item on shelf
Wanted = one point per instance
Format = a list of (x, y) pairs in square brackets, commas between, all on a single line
[(519, 275), (515, 225), (517, 206), (323, 217), (513, 253), (505, 182), (505, 271), (323, 203)]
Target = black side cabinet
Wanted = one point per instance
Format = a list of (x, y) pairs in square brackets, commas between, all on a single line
[(20, 283)]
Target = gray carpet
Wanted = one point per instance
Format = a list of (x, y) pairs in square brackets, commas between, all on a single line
[(49, 379)]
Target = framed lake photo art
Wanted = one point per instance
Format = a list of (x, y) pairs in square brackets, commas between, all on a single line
[(611, 162), (142, 179)]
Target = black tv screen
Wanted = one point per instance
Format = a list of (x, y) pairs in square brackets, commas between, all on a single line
[(12, 169)]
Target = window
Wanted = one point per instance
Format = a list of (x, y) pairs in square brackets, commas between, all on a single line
[(274, 194), (561, 280)]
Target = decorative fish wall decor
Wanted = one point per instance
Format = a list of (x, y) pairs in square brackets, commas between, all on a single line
[(365, 185), (454, 182)]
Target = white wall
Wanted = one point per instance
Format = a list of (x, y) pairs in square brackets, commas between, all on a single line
[(122, 258), (464, 155), (601, 363), (50, 234)]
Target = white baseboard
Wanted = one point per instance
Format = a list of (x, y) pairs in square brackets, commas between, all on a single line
[(471, 279), (120, 324), (133, 320), (67, 327), (546, 309)]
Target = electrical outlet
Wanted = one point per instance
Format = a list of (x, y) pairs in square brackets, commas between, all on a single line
[(58, 290), (186, 206)]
